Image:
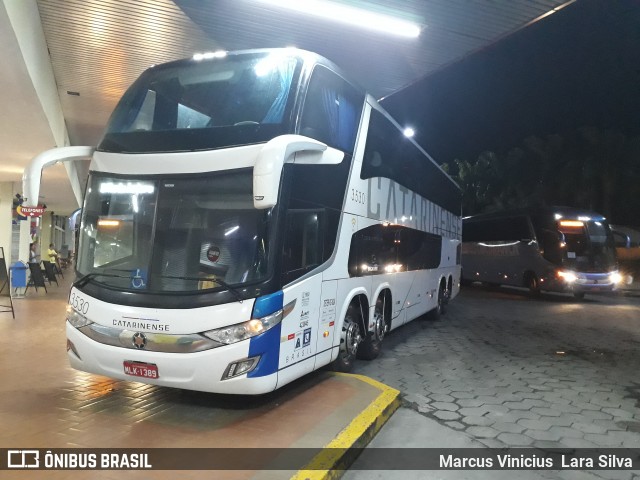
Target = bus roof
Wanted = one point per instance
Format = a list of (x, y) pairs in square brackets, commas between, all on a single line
[(304, 55)]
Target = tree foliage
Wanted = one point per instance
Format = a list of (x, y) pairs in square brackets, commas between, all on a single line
[(587, 168)]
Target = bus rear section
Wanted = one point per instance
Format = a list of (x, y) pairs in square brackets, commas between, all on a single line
[(553, 249)]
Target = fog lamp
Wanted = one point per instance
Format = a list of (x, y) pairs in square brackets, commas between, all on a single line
[(240, 367)]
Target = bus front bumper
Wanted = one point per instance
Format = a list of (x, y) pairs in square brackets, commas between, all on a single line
[(200, 371), (581, 283)]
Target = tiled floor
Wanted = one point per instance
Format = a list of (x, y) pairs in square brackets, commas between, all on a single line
[(44, 403)]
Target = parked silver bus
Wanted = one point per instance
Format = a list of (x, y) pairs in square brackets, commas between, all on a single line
[(557, 249)]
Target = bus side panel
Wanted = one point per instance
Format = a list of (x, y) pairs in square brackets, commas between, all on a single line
[(299, 331), (493, 262), (404, 295), (502, 263), (327, 323), (422, 292)]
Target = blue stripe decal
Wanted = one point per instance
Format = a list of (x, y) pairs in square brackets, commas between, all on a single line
[(268, 304), (268, 346)]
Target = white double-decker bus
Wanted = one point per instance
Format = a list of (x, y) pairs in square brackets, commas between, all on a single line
[(251, 217)]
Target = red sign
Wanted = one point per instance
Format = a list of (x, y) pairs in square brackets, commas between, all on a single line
[(30, 211), (140, 369)]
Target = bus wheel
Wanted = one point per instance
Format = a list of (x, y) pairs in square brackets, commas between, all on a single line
[(350, 339), (441, 305), (579, 295), (372, 343), (531, 282)]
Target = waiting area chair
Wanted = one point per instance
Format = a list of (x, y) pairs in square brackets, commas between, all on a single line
[(36, 279)]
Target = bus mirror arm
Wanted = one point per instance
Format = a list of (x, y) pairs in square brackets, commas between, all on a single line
[(286, 149), (33, 172)]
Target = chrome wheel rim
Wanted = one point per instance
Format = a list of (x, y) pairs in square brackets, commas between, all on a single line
[(352, 338)]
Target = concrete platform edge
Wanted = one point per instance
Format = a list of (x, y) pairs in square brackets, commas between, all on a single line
[(340, 453)]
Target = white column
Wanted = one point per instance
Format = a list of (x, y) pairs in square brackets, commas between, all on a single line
[(6, 208), (25, 240)]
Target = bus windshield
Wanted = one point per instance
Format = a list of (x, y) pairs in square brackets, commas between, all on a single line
[(588, 246), (178, 234), (204, 104)]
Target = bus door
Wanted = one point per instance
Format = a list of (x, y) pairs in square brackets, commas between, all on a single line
[(302, 252), (299, 330)]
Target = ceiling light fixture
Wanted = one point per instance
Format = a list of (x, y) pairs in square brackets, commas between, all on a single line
[(351, 15), (409, 132)]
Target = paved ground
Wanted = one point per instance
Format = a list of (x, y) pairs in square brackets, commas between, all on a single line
[(45, 404), (500, 369), (503, 370)]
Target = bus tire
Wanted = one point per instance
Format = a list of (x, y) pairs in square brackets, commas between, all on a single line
[(441, 304), (531, 282), (578, 295), (372, 343), (350, 339)]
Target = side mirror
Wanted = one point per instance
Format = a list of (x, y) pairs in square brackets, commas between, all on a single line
[(621, 240), (286, 149), (33, 171)]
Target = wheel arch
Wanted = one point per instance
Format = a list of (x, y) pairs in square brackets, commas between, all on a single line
[(361, 299), (384, 289)]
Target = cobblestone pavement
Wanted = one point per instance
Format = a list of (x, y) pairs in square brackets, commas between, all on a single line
[(511, 371)]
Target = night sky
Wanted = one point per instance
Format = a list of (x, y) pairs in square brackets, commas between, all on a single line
[(577, 67)]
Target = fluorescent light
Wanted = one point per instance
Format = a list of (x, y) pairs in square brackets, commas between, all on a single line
[(208, 55), (409, 132), (122, 187), (351, 15), (229, 231), (571, 223), (108, 223)]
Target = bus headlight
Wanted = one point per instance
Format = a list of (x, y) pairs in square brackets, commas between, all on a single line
[(77, 319), (615, 277), (568, 277), (243, 331)]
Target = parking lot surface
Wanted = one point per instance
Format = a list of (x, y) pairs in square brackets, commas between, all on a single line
[(501, 369)]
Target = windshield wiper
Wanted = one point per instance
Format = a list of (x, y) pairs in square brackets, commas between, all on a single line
[(89, 276), (236, 293), (82, 281)]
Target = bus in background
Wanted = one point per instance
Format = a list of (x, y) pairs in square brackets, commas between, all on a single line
[(557, 249), (251, 217)]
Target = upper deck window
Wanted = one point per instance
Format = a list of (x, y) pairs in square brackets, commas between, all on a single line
[(389, 153), (332, 110), (196, 105)]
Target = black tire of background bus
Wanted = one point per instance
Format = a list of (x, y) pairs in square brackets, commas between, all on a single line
[(531, 282)]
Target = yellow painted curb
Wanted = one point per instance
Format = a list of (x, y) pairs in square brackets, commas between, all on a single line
[(331, 462)]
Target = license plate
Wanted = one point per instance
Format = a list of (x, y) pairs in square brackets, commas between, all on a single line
[(140, 369)]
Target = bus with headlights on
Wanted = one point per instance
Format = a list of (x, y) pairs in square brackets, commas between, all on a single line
[(250, 217), (557, 249)]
